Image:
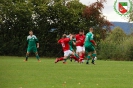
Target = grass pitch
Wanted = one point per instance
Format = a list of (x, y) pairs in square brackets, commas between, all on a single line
[(14, 73)]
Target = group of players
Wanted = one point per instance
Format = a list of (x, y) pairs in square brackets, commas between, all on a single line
[(83, 44)]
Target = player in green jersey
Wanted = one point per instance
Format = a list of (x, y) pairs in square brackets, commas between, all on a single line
[(89, 46), (71, 44), (33, 44)]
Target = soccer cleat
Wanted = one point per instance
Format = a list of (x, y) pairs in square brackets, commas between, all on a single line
[(25, 60), (56, 60), (93, 63), (87, 62), (39, 60), (64, 62), (71, 59)]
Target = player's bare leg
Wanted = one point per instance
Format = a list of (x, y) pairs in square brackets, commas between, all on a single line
[(27, 55), (37, 56)]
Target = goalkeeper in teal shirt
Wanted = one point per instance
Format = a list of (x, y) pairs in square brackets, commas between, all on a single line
[(33, 44), (89, 46)]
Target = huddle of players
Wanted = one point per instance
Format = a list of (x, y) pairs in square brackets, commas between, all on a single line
[(83, 43)]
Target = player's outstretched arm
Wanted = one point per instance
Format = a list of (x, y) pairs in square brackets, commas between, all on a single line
[(58, 42), (71, 37), (74, 43)]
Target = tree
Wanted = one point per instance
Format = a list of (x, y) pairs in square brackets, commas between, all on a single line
[(116, 46), (131, 15), (94, 18), (49, 19), (117, 35), (16, 21)]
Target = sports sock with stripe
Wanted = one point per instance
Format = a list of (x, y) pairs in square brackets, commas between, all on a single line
[(26, 57), (93, 55), (37, 56), (88, 58)]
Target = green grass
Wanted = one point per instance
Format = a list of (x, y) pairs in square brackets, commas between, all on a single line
[(14, 73)]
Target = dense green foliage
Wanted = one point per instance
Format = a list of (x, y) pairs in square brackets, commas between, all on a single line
[(117, 46), (14, 73), (131, 14), (49, 19)]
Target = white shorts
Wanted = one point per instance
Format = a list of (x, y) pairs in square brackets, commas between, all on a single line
[(67, 53), (80, 49)]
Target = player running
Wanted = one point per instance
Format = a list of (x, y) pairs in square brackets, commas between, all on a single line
[(89, 46), (33, 44), (80, 38), (64, 41)]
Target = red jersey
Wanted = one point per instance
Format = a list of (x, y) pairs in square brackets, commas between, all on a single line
[(65, 43), (80, 40)]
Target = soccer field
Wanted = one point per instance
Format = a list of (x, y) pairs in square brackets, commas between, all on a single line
[(14, 73)]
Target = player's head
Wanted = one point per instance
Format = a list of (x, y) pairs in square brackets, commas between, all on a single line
[(70, 34), (31, 32), (64, 36), (81, 32), (73, 35), (91, 29)]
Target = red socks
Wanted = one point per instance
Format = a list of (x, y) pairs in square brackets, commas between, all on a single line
[(83, 55), (60, 59), (75, 58), (80, 60)]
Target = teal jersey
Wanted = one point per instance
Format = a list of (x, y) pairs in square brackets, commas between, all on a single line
[(71, 42), (89, 36), (32, 40)]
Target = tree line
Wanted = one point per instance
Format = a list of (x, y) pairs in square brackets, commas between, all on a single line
[(49, 19)]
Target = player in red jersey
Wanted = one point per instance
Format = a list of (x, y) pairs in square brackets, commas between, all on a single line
[(64, 41), (80, 50)]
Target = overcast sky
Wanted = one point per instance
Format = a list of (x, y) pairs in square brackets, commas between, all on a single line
[(108, 10)]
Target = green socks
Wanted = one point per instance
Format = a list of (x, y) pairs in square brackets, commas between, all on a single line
[(37, 56), (76, 55), (88, 58), (93, 55), (26, 57)]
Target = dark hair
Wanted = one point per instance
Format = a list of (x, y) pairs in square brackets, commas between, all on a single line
[(81, 30), (90, 28), (72, 33), (30, 30), (64, 35)]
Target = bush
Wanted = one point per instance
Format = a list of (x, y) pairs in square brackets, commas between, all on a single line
[(117, 46)]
